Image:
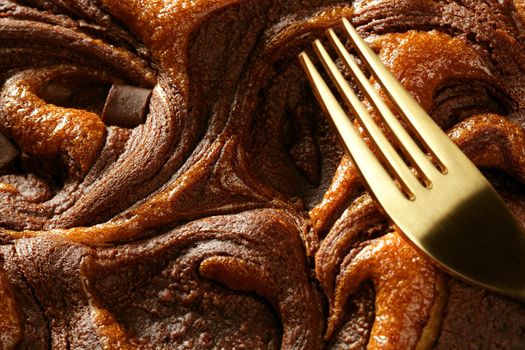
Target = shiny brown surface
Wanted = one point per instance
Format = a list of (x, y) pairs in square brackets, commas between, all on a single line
[(230, 217)]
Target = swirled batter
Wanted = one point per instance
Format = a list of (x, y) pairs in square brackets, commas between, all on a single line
[(230, 218)]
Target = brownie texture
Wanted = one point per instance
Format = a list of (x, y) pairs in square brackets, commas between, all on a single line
[(228, 216)]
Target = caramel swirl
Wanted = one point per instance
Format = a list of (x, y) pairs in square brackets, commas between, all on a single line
[(230, 218), (43, 130), (10, 327)]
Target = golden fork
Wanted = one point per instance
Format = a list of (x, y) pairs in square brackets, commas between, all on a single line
[(449, 211)]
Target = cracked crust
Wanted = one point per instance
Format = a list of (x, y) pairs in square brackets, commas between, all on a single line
[(231, 217)]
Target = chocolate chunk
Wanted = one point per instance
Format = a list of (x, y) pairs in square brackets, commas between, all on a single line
[(126, 106), (56, 94), (8, 151)]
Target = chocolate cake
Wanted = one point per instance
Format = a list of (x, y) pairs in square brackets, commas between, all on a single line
[(216, 210)]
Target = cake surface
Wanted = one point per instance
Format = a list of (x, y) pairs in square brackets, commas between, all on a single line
[(230, 218)]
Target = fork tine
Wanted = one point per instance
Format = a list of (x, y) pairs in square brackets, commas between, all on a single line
[(427, 131), (391, 158), (376, 177), (410, 149)]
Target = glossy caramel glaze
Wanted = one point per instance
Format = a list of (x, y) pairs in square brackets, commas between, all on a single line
[(231, 218)]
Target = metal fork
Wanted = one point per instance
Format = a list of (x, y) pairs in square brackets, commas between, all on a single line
[(445, 207)]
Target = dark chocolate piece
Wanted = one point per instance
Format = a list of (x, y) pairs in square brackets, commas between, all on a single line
[(230, 220), (56, 94), (126, 106), (8, 151)]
